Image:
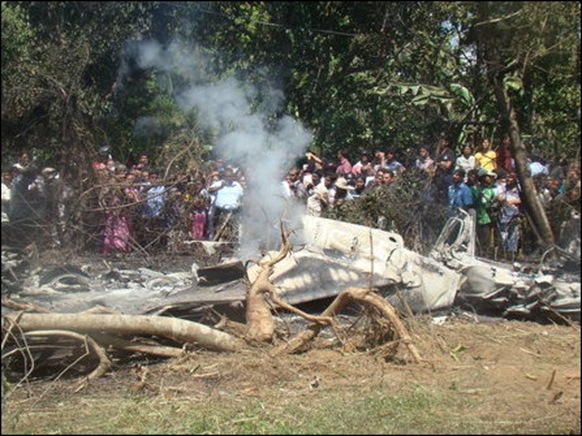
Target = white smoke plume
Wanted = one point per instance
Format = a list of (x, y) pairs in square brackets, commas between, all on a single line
[(246, 136)]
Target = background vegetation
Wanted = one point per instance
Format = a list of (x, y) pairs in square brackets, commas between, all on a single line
[(358, 74)]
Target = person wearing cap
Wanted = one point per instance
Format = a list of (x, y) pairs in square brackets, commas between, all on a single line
[(485, 200), (444, 166)]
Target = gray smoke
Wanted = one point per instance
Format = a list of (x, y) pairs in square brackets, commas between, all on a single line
[(247, 135)]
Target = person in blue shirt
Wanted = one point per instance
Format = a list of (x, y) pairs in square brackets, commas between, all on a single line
[(459, 194)]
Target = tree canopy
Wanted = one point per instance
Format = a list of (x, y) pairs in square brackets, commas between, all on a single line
[(359, 75)]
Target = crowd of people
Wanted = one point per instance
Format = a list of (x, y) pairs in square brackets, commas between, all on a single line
[(138, 203)]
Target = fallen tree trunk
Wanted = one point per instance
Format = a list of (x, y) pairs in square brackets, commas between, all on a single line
[(178, 330)]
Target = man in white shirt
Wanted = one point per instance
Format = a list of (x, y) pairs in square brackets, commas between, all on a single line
[(229, 196), (6, 194)]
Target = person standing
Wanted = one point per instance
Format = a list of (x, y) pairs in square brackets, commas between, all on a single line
[(342, 192), (152, 209), (293, 187), (460, 195), (486, 157), (424, 161), (344, 166), (359, 186), (485, 198), (359, 166), (6, 194), (228, 199), (318, 199), (444, 167), (504, 158), (392, 164), (508, 222), (466, 160)]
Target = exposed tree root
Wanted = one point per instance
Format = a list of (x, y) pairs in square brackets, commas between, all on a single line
[(104, 362), (364, 296), (121, 344), (27, 307)]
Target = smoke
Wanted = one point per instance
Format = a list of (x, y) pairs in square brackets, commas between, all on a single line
[(249, 134)]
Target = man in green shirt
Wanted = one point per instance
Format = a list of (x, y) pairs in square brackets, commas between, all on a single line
[(485, 197)]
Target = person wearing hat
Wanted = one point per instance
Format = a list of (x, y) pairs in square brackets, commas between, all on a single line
[(485, 201), (342, 191)]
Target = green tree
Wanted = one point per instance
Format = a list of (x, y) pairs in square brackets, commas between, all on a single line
[(516, 42)]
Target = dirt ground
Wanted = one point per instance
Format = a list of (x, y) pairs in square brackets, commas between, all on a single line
[(510, 374), (498, 376)]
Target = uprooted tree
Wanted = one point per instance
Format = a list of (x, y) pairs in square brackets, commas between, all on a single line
[(100, 331)]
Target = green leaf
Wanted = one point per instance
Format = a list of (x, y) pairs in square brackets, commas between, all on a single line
[(463, 94), (513, 82)]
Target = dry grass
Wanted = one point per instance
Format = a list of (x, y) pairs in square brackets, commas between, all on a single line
[(500, 377)]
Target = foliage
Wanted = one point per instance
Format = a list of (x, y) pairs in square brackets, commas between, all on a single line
[(419, 223), (17, 35), (359, 75)]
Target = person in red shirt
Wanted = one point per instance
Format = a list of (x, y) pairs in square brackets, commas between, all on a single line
[(504, 159), (344, 166)]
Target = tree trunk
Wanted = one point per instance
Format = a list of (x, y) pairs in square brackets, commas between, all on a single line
[(532, 203), (496, 72)]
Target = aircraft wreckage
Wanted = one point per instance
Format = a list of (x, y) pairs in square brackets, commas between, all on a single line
[(333, 256)]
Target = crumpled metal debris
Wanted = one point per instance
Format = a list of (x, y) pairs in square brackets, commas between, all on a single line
[(332, 257)]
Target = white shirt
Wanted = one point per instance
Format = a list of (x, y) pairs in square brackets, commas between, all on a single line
[(229, 197), (6, 197), (465, 163)]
